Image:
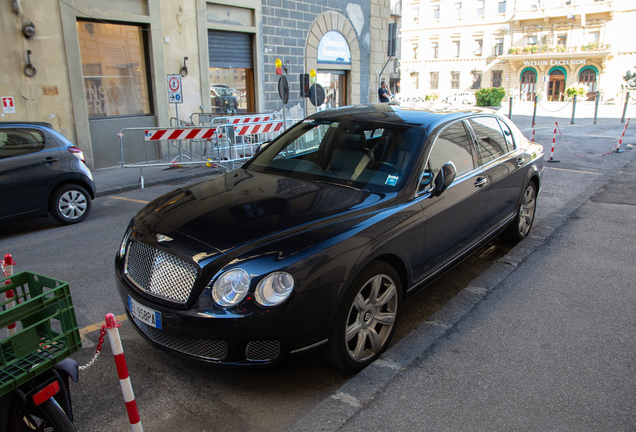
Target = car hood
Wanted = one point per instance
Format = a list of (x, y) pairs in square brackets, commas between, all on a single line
[(245, 209)]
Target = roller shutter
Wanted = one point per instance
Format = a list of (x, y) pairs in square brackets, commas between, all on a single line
[(230, 50)]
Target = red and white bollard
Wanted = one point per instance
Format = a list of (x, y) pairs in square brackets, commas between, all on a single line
[(620, 141), (122, 371), (556, 125), (533, 125), (7, 271)]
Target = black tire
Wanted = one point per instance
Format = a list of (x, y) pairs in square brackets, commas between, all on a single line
[(366, 318), (522, 224), (69, 204), (55, 417)]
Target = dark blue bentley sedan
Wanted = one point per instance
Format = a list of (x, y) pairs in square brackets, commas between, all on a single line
[(313, 244)]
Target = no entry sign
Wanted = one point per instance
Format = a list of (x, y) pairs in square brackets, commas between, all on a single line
[(174, 89)]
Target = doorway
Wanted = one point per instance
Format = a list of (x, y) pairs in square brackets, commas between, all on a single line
[(556, 86), (335, 85)]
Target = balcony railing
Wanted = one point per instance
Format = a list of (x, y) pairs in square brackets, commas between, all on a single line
[(543, 49)]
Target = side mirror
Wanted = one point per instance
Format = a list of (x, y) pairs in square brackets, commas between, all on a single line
[(444, 178)]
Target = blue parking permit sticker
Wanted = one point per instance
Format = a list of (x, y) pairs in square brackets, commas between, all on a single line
[(391, 180)]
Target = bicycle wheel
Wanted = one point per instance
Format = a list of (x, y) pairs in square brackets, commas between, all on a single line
[(55, 417)]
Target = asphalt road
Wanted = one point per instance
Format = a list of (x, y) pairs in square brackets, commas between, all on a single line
[(173, 394)]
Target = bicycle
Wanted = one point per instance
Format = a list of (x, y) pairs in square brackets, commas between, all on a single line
[(35, 368)]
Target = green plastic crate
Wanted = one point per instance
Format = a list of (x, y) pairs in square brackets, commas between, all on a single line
[(47, 329)]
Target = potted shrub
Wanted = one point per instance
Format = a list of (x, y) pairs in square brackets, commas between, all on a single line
[(578, 89), (489, 97)]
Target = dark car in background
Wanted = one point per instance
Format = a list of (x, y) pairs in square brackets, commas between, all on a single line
[(313, 244), (223, 99), (42, 172)]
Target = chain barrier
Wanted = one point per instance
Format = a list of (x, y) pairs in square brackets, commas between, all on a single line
[(98, 350), (560, 109), (577, 155)]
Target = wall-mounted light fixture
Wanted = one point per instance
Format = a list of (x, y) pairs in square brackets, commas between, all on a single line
[(184, 69), (29, 69)]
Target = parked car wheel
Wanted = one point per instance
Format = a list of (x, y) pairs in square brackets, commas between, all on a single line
[(366, 319), (70, 204), (520, 228)]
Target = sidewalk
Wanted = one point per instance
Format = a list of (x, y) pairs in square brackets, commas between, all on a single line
[(543, 340)]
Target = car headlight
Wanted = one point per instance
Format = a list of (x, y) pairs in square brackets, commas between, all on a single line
[(230, 288), (274, 288)]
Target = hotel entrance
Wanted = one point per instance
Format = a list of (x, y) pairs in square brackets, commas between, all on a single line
[(556, 86)]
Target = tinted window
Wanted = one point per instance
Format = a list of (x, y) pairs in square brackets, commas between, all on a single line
[(508, 135), (16, 142), (452, 144), (491, 143)]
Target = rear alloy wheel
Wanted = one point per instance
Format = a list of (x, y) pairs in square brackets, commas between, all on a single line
[(70, 204), (366, 318), (520, 227)]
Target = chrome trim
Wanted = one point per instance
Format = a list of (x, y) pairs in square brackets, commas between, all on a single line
[(309, 347)]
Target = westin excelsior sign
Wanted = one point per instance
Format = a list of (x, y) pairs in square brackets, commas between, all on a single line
[(553, 62)]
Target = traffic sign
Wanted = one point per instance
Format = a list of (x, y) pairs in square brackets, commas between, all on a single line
[(174, 89), (7, 105)]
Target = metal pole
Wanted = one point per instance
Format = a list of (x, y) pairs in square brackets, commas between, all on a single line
[(625, 107), (598, 97), (534, 114), (510, 108), (573, 109)]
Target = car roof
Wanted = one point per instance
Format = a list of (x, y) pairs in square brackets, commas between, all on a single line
[(428, 118), (25, 124)]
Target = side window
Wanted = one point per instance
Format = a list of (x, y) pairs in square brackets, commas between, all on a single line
[(452, 144), (491, 143), (507, 135), (17, 142)]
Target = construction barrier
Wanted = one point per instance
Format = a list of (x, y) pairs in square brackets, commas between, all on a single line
[(620, 141), (219, 144), (556, 125)]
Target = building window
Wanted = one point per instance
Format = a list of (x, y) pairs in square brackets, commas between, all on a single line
[(454, 80), (415, 80), (114, 67), (531, 40), (595, 37), (501, 6), (458, 9), (480, 7), (588, 77), (435, 49), (434, 80), (416, 50), (498, 49), (479, 47), (476, 80), (456, 49), (436, 12), (496, 78), (562, 40), (416, 14)]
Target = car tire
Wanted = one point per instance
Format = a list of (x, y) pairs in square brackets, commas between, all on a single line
[(521, 225), (366, 318), (69, 204)]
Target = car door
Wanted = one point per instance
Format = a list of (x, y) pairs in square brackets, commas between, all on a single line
[(29, 163), (500, 163), (456, 219)]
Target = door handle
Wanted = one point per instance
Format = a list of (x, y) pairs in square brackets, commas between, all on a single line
[(520, 161), (481, 182), (50, 160)]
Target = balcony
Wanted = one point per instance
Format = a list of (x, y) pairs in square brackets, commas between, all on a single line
[(549, 49)]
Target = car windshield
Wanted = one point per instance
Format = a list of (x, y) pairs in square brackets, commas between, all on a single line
[(373, 156), (222, 91)]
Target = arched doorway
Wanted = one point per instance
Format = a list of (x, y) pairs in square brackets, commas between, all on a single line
[(556, 86), (588, 76), (528, 86)]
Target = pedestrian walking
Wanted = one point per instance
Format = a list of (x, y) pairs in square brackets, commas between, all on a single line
[(384, 94)]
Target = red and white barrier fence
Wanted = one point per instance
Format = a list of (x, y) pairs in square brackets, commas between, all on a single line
[(7, 272), (122, 371), (620, 141), (533, 128)]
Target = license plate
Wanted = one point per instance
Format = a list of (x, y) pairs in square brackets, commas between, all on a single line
[(144, 314)]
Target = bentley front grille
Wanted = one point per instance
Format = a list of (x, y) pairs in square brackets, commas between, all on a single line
[(160, 274)]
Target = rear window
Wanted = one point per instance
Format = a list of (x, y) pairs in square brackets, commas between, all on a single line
[(490, 141), (18, 142)]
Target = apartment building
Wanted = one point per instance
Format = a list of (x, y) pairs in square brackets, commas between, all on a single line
[(528, 47)]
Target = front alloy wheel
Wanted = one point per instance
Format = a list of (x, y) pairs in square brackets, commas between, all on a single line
[(70, 204), (367, 317)]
